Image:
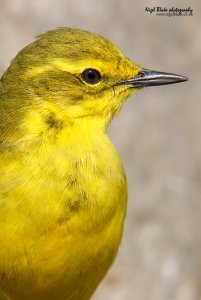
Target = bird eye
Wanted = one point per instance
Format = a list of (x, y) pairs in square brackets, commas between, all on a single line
[(91, 76)]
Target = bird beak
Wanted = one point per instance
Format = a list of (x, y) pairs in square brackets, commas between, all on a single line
[(147, 77)]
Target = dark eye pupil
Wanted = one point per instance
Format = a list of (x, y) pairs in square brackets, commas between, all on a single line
[(91, 76)]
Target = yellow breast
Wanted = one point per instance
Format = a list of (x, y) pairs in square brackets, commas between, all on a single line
[(64, 214)]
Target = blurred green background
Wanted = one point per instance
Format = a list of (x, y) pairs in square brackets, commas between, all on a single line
[(157, 134)]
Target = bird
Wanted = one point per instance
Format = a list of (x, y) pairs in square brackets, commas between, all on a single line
[(63, 190)]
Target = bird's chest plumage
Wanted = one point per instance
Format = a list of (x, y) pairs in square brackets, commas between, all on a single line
[(92, 202), (73, 216)]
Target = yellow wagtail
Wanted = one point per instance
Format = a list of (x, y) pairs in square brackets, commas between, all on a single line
[(63, 190)]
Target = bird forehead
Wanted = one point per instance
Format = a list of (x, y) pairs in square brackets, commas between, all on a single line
[(73, 51)]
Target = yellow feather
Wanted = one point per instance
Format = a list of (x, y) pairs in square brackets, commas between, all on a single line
[(63, 189)]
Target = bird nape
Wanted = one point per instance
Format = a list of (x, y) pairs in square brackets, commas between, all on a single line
[(63, 190)]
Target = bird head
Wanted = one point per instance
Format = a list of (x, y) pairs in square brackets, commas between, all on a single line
[(76, 74)]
